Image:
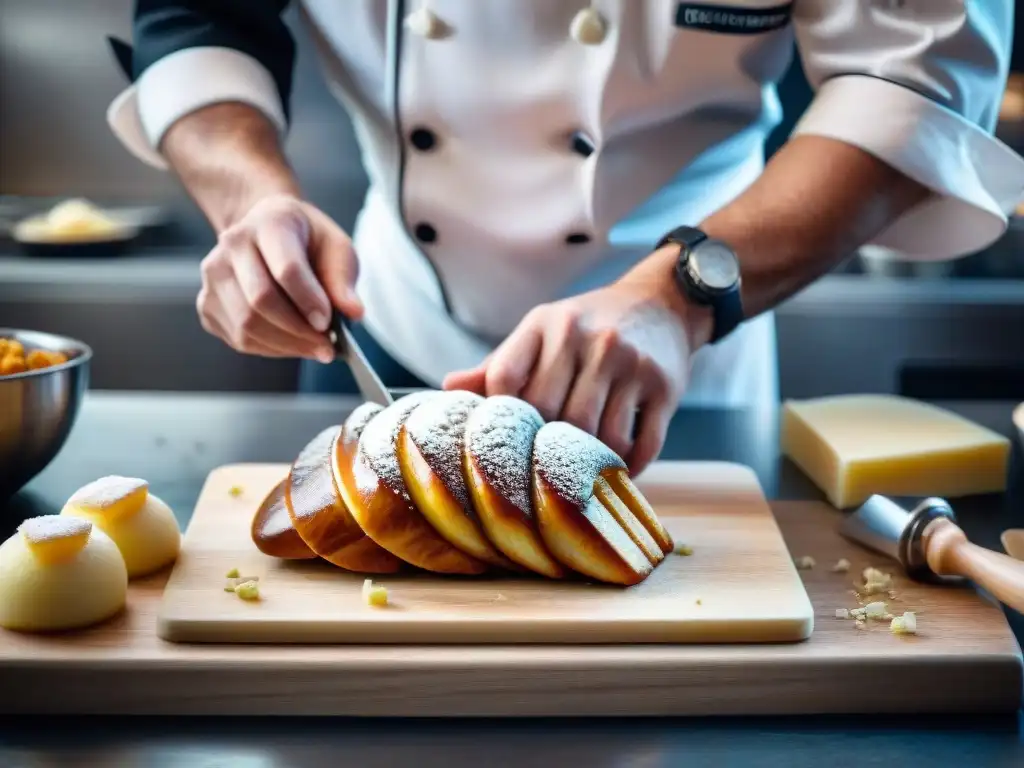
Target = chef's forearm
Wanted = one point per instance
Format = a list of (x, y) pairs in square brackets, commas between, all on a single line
[(228, 156), (817, 201)]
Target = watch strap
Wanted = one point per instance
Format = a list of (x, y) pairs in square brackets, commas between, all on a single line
[(726, 308), (686, 236), (727, 314)]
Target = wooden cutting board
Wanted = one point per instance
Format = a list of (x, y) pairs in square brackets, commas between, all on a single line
[(739, 585), (964, 659)]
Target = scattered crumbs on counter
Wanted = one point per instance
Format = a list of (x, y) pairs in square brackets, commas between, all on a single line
[(841, 566), (684, 549), (805, 563), (876, 582), (904, 625), (876, 610)]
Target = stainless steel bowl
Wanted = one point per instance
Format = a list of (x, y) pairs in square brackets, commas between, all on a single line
[(38, 408)]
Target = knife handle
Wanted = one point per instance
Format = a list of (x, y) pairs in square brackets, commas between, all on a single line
[(949, 553)]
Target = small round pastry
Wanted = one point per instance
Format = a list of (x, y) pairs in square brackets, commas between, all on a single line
[(430, 455), (370, 479), (584, 524), (272, 531), (59, 572), (317, 511), (498, 446), (139, 522)]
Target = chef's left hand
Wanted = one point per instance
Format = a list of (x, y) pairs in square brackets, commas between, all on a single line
[(614, 362)]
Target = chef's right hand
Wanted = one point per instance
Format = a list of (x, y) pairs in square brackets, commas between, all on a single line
[(271, 282)]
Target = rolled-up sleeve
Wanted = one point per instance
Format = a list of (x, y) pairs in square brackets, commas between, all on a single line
[(918, 84), (188, 54)]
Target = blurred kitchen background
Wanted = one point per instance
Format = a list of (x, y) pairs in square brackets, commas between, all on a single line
[(952, 330)]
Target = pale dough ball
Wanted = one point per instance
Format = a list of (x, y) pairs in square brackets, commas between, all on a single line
[(58, 575), (149, 539)]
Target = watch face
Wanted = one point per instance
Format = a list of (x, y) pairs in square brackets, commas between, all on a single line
[(714, 266)]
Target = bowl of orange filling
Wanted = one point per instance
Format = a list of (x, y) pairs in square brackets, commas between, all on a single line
[(43, 380)]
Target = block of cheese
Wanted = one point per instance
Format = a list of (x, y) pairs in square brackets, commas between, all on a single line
[(852, 446)]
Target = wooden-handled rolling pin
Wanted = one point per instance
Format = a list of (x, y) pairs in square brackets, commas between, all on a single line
[(931, 546), (949, 553)]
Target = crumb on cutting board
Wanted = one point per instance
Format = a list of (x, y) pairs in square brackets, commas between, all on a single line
[(235, 580), (684, 549), (375, 595), (248, 590), (236, 490)]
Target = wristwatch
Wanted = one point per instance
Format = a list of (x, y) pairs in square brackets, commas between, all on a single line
[(708, 273)]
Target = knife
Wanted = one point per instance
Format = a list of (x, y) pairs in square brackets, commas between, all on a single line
[(347, 348), (930, 546)]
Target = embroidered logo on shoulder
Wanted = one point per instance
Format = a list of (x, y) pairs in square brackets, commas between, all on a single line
[(733, 20)]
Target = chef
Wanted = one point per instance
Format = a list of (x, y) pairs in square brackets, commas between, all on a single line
[(569, 201)]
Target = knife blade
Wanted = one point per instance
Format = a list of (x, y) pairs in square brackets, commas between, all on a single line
[(347, 348)]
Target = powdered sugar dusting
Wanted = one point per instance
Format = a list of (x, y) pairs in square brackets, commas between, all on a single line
[(379, 442), (359, 418), (438, 428), (106, 491), (312, 488), (277, 520), (53, 527), (499, 435), (570, 459)]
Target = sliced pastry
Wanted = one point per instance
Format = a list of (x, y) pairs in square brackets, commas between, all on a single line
[(582, 520), (430, 454), (316, 508), (498, 447), (369, 477)]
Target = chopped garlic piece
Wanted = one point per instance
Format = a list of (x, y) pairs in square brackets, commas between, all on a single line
[(248, 590), (374, 594), (842, 566), (232, 574), (904, 625), (876, 582), (842, 613), (805, 563), (684, 549), (858, 613), (875, 610)]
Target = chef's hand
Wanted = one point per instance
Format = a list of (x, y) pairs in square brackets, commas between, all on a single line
[(614, 362), (270, 283)]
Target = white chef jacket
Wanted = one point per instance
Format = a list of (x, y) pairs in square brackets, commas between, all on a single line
[(521, 151)]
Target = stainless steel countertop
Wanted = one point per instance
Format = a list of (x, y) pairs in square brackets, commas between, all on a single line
[(175, 440)]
